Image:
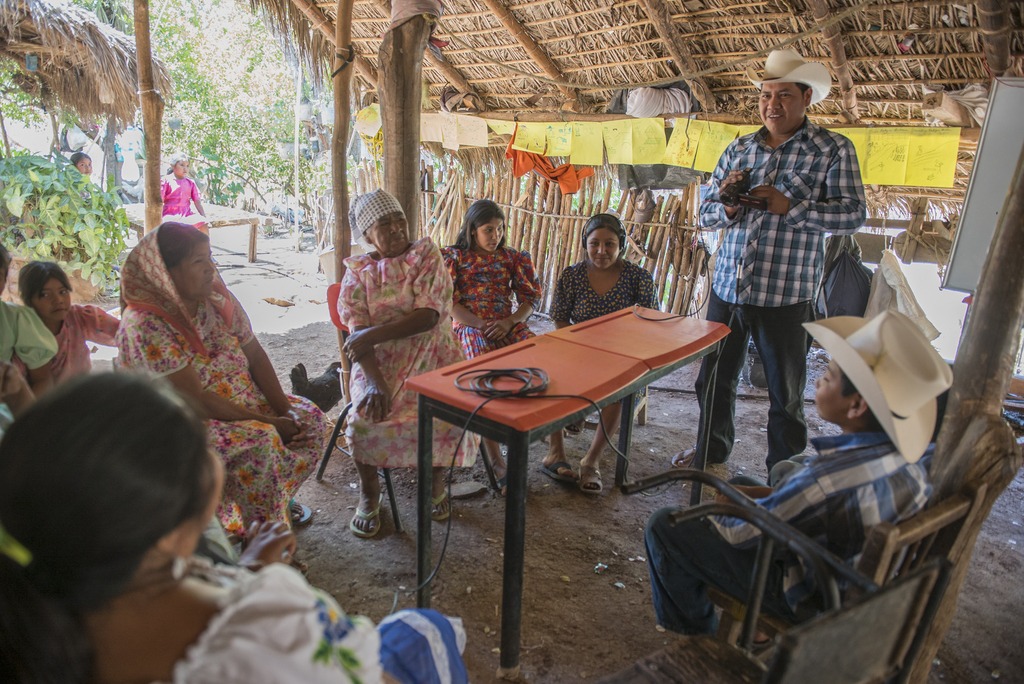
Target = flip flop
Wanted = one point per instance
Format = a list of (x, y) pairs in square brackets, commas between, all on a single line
[(501, 483), (437, 515), (363, 515), (553, 469), (684, 458), (590, 480), (300, 513)]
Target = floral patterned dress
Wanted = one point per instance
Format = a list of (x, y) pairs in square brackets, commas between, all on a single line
[(576, 301), (261, 473), (484, 284), (379, 291)]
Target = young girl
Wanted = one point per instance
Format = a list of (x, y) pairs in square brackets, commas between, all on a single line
[(179, 193), (45, 287), (486, 274), (24, 337)]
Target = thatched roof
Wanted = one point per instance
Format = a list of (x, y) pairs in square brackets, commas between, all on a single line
[(584, 50), (84, 65)]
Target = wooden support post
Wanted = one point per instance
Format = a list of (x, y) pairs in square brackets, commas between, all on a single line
[(662, 20), (339, 164), (975, 444), (401, 75), (152, 103), (994, 22), (834, 39)]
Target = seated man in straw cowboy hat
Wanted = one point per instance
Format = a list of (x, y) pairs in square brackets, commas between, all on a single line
[(880, 388), (768, 268)]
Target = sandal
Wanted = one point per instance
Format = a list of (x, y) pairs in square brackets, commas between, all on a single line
[(502, 484), (441, 509), (685, 458), (300, 513), (590, 480), (371, 516)]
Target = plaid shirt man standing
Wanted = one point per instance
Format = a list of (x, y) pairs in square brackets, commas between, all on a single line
[(770, 263)]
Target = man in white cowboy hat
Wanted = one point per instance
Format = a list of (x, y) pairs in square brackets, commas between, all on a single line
[(880, 388), (769, 265)]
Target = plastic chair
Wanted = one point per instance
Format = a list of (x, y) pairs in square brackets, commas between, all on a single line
[(333, 292)]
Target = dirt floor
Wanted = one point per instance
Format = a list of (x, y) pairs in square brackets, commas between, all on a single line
[(579, 622)]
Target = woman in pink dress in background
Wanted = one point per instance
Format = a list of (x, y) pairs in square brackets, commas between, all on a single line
[(44, 286), (179, 193), (486, 274)]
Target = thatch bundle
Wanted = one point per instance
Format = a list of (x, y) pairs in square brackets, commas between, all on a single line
[(83, 65)]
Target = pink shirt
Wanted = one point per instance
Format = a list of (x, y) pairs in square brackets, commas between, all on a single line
[(84, 323), (178, 196)]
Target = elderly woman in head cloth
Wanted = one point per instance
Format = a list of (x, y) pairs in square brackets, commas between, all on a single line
[(396, 300)]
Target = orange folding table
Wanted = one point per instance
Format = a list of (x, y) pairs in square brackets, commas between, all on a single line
[(604, 360)]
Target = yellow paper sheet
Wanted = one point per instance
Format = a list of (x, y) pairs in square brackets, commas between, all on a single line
[(618, 141), (931, 161), (449, 131), (859, 138), (368, 120), (430, 128), (472, 131), (682, 147), (587, 144), (559, 139), (531, 137), (886, 156), (712, 144), (648, 141), (501, 127)]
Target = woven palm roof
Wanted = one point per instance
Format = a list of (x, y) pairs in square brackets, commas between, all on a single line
[(577, 53), (84, 65)]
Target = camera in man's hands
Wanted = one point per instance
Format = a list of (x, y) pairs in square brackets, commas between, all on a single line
[(737, 194)]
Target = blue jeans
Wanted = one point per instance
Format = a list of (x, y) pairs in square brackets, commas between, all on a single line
[(782, 344), (685, 559)]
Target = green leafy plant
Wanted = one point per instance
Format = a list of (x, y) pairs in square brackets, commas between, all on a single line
[(50, 211)]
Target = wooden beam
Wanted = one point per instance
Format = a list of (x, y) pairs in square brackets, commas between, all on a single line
[(833, 37), (327, 29), (976, 446), (994, 22), (447, 69), (152, 103), (339, 167), (535, 51), (401, 89), (659, 16)]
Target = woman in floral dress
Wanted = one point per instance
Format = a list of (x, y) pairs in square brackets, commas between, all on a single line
[(486, 274), (393, 300), (181, 322)]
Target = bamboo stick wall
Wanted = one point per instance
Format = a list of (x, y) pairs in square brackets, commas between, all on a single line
[(540, 220)]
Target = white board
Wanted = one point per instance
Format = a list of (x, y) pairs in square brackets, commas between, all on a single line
[(1002, 139)]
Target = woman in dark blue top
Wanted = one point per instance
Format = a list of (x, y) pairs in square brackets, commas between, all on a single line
[(602, 283)]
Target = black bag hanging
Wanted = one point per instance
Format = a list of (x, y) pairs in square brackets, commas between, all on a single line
[(845, 287)]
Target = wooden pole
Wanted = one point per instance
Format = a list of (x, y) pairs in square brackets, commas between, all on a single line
[(994, 22), (401, 85), (975, 444), (152, 103), (834, 39), (339, 139), (659, 15)]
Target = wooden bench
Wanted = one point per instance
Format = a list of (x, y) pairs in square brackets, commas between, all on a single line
[(216, 217)]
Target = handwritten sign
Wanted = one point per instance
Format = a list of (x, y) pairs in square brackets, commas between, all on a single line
[(931, 160), (618, 141), (430, 128), (449, 131), (682, 147), (712, 144), (587, 144), (531, 137), (472, 131), (886, 156), (501, 127), (368, 120), (648, 141)]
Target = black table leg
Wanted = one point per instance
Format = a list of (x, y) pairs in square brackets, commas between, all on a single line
[(515, 541), (424, 480), (625, 438)]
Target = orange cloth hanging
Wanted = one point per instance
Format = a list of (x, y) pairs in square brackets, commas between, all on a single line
[(567, 175)]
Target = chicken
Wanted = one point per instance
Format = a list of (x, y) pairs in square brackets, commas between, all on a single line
[(324, 391)]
